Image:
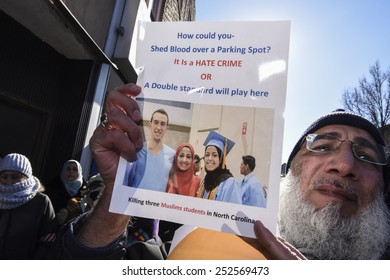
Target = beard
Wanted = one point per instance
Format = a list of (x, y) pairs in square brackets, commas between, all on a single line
[(325, 234)]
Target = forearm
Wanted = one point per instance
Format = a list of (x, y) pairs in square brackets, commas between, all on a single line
[(102, 227)]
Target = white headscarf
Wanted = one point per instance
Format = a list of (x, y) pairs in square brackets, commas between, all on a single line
[(72, 186)]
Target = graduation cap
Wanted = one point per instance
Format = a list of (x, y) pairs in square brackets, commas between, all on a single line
[(220, 141)]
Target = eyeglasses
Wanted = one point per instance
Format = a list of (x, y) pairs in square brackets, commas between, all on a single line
[(364, 150)]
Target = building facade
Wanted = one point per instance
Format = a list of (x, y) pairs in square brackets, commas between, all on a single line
[(58, 60)]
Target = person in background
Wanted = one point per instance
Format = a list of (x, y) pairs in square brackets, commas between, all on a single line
[(197, 165), (77, 206), (27, 217), (66, 191), (218, 184), (252, 190)]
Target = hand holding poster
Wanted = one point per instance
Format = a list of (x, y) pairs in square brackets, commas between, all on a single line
[(217, 90)]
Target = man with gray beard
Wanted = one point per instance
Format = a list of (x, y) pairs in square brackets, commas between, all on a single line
[(325, 233), (332, 203)]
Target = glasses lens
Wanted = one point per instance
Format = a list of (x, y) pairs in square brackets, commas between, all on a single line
[(376, 154), (364, 150), (322, 143)]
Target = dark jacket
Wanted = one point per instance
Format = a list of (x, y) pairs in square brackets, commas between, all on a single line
[(58, 194), (21, 228)]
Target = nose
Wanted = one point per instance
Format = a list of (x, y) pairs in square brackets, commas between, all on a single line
[(344, 162), (207, 157), (159, 125)]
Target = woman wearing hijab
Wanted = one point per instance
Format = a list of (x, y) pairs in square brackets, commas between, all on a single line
[(183, 181), (218, 184), (26, 215), (66, 191)]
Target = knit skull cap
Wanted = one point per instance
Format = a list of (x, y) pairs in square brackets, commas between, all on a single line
[(16, 162), (340, 117)]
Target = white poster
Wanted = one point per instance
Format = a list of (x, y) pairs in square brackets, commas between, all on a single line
[(223, 77)]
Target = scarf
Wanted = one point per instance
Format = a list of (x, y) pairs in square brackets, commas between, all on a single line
[(215, 177), (212, 181), (183, 182), (72, 186), (13, 196)]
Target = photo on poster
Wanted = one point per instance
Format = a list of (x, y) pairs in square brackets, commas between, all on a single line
[(221, 109)]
